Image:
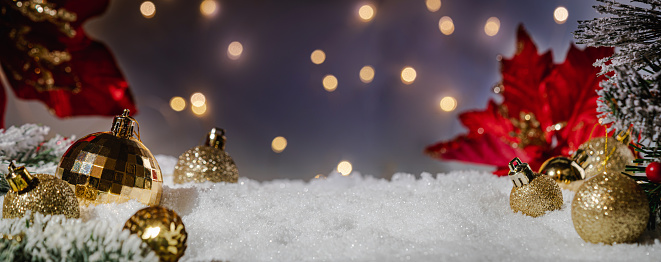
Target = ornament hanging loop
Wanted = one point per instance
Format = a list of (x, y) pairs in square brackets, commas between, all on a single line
[(520, 173), (216, 138), (19, 178), (122, 126)]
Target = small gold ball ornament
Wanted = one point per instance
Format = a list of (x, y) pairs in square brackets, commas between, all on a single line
[(563, 170), (533, 194), (610, 208), (162, 229), (108, 167), (39, 193), (208, 162)]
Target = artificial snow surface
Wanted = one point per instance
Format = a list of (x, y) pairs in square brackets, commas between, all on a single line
[(460, 216)]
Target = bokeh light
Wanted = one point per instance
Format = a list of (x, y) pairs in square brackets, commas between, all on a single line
[(279, 144), (234, 50), (344, 168), (330, 83), (433, 5), (318, 56), (446, 25), (208, 7), (320, 176), (198, 99), (492, 26), (178, 103), (408, 75), (199, 110), (366, 12), (560, 15), (366, 74), (448, 103), (148, 9)]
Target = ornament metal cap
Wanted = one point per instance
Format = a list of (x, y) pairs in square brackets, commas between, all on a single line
[(520, 173), (19, 178), (216, 138), (122, 125)]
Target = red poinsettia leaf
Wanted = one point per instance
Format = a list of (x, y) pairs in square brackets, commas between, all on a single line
[(522, 76), (484, 149), (490, 121), (87, 83), (104, 90), (571, 89)]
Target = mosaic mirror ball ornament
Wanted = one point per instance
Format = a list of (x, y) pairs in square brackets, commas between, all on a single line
[(208, 162), (38, 193), (113, 166), (161, 229)]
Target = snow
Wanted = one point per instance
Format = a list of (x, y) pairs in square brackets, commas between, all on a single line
[(459, 216)]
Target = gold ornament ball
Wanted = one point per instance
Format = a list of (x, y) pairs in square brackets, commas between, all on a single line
[(617, 154), (534, 199), (562, 170), (162, 229), (610, 208), (108, 167), (208, 162), (39, 193)]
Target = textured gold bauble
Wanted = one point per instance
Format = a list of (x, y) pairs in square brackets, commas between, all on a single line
[(162, 229), (114, 166), (534, 199), (610, 208), (43, 194), (618, 155), (208, 162)]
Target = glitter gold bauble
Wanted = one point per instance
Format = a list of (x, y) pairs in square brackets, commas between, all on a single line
[(39, 193), (610, 208), (533, 194), (162, 229), (208, 162), (114, 166), (600, 159)]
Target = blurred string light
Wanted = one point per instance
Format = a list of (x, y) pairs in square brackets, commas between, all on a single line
[(199, 110), (344, 168), (318, 56), (234, 50), (366, 12), (492, 26), (446, 25), (330, 83), (448, 103), (320, 176), (198, 99), (178, 103), (279, 144), (433, 5), (560, 15), (208, 7), (366, 74), (148, 9), (408, 75)]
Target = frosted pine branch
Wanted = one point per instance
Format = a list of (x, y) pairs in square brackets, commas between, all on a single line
[(55, 238), (635, 30)]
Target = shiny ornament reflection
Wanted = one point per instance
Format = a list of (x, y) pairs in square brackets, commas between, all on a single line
[(161, 229), (114, 166), (208, 162)]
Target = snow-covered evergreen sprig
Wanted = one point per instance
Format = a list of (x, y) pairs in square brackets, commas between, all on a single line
[(26, 146), (55, 238), (630, 99), (634, 29)]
